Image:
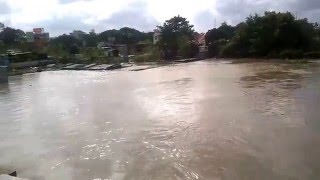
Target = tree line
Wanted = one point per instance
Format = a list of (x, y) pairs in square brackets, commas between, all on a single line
[(271, 35)]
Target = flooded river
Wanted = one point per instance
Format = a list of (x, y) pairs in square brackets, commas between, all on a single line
[(203, 120)]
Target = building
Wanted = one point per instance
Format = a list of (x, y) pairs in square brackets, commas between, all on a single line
[(201, 41), (38, 30), (110, 42), (38, 37), (203, 48), (29, 37), (2, 26), (156, 36), (38, 34), (115, 50), (78, 34)]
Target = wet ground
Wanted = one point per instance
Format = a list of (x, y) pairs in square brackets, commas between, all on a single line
[(202, 120)]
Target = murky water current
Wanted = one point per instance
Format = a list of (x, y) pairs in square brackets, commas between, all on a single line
[(203, 120)]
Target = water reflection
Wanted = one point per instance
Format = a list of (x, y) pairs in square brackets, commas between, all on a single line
[(203, 120), (285, 80)]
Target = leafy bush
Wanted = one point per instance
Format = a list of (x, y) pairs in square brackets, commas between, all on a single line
[(234, 49), (154, 55), (189, 49), (143, 58), (291, 54), (312, 55), (215, 48), (74, 49), (65, 60)]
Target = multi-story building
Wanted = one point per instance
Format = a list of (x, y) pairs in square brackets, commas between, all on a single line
[(156, 36), (2, 26), (77, 34), (38, 37), (201, 41)]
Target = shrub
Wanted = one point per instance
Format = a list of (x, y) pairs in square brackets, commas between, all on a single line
[(233, 49), (291, 54), (215, 48), (312, 55), (143, 58), (65, 60), (189, 49), (154, 55)]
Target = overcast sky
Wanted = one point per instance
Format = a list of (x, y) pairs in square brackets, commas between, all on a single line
[(63, 16)]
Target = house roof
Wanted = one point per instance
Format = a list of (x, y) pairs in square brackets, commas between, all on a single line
[(200, 38)]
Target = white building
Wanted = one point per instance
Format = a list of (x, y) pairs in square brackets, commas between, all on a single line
[(78, 34), (156, 36), (2, 26)]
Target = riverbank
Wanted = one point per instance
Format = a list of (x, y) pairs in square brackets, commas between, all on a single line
[(139, 66), (131, 66)]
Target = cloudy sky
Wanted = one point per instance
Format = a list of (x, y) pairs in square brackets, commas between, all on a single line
[(63, 16)]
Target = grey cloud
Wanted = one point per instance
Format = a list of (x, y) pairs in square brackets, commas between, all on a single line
[(307, 5), (4, 8), (307, 9), (70, 1), (60, 26), (235, 11), (204, 21), (135, 16)]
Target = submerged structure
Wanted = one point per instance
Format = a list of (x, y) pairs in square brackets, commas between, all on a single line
[(4, 64)]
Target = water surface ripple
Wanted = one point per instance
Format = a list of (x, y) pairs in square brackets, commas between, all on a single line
[(203, 120)]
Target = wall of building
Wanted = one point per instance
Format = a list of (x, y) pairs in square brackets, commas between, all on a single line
[(156, 36)]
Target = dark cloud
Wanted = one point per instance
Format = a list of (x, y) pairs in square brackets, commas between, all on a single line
[(4, 8), (135, 16)]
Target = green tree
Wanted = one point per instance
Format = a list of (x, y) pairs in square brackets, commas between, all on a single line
[(64, 45), (216, 38), (187, 48), (269, 35), (90, 40), (74, 49), (125, 35), (66, 41), (171, 31), (103, 36), (11, 36)]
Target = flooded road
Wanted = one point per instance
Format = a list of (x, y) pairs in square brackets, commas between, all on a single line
[(203, 120)]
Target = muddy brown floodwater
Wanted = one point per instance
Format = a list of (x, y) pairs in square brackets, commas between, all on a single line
[(203, 120)]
